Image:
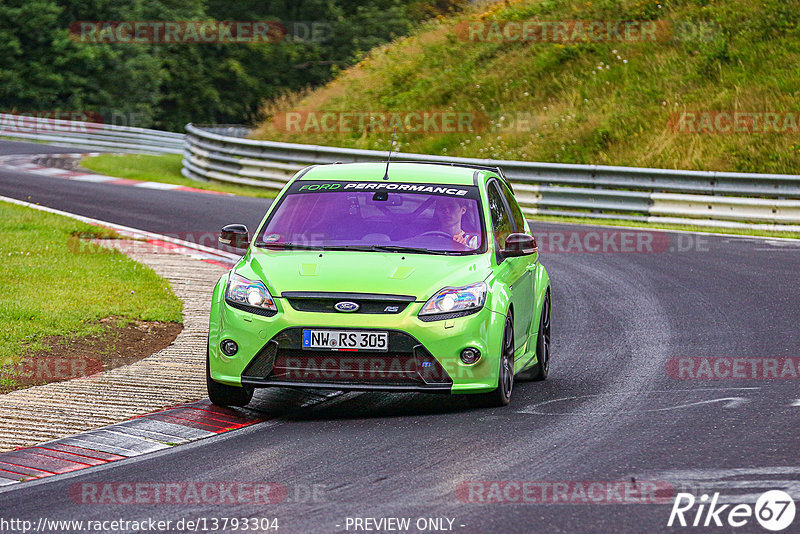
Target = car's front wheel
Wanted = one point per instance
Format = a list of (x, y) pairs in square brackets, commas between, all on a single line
[(505, 381), (224, 395)]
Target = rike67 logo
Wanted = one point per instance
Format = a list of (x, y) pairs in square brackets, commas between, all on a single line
[(774, 510)]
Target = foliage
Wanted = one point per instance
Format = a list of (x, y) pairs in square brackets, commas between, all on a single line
[(43, 69)]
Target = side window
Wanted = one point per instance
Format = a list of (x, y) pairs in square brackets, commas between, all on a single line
[(501, 221), (516, 213)]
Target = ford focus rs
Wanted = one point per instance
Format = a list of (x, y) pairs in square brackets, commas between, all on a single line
[(412, 277)]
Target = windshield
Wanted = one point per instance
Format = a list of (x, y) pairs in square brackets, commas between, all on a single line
[(422, 218)]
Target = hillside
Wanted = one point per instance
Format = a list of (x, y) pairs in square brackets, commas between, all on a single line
[(616, 100)]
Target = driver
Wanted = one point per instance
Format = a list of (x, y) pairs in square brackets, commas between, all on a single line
[(447, 214)]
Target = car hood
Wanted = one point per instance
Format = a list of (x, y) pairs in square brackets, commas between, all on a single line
[(420, 275)]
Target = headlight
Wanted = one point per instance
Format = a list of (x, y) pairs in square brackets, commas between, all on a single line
[(455, 301), (249, 293)]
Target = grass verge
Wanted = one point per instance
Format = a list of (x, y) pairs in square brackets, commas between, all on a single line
[(51, 287), (164, 169)]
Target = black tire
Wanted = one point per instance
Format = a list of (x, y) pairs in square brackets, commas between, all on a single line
[(540, 370), (224, 395), (501, 396)]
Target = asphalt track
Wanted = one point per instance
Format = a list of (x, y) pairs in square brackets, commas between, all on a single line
[(610, 410)]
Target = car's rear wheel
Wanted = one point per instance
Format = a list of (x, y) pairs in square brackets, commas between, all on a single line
[(224, 395), (505, 381), (540, 370)]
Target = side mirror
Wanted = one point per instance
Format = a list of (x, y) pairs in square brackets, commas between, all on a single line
[(235, 235), (519, 245)]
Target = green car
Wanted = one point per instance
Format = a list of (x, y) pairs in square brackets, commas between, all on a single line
[(403, 277)]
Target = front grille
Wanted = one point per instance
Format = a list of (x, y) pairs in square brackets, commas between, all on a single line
[(327, 306), (325, 302), (332, 366), (407, 364), (262, 364)]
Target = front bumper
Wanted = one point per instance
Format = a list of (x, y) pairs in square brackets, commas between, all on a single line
[(422, 356)]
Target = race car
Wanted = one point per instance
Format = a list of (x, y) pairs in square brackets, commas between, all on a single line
[(414, 277)]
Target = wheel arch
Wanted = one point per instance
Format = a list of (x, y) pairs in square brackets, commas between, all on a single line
[(542, 288)]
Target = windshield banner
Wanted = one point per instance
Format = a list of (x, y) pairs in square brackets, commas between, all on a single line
[(387, 187)]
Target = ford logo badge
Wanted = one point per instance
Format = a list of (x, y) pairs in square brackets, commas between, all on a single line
[(346, 306)]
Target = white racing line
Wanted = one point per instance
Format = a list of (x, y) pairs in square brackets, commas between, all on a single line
[(735, 485), (185, 248), (728, 402)]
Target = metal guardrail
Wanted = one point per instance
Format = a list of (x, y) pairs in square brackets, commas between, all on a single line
[(222, 153), (90, 135), (718, 199)]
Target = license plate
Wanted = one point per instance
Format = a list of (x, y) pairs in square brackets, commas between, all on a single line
[(352, 340)]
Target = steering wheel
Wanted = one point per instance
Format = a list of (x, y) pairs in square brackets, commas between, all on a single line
[(436, 232)]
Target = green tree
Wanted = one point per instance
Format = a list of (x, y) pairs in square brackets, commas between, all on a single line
[(43, 68)]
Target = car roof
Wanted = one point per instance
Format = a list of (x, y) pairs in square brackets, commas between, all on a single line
[(400, 172)]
